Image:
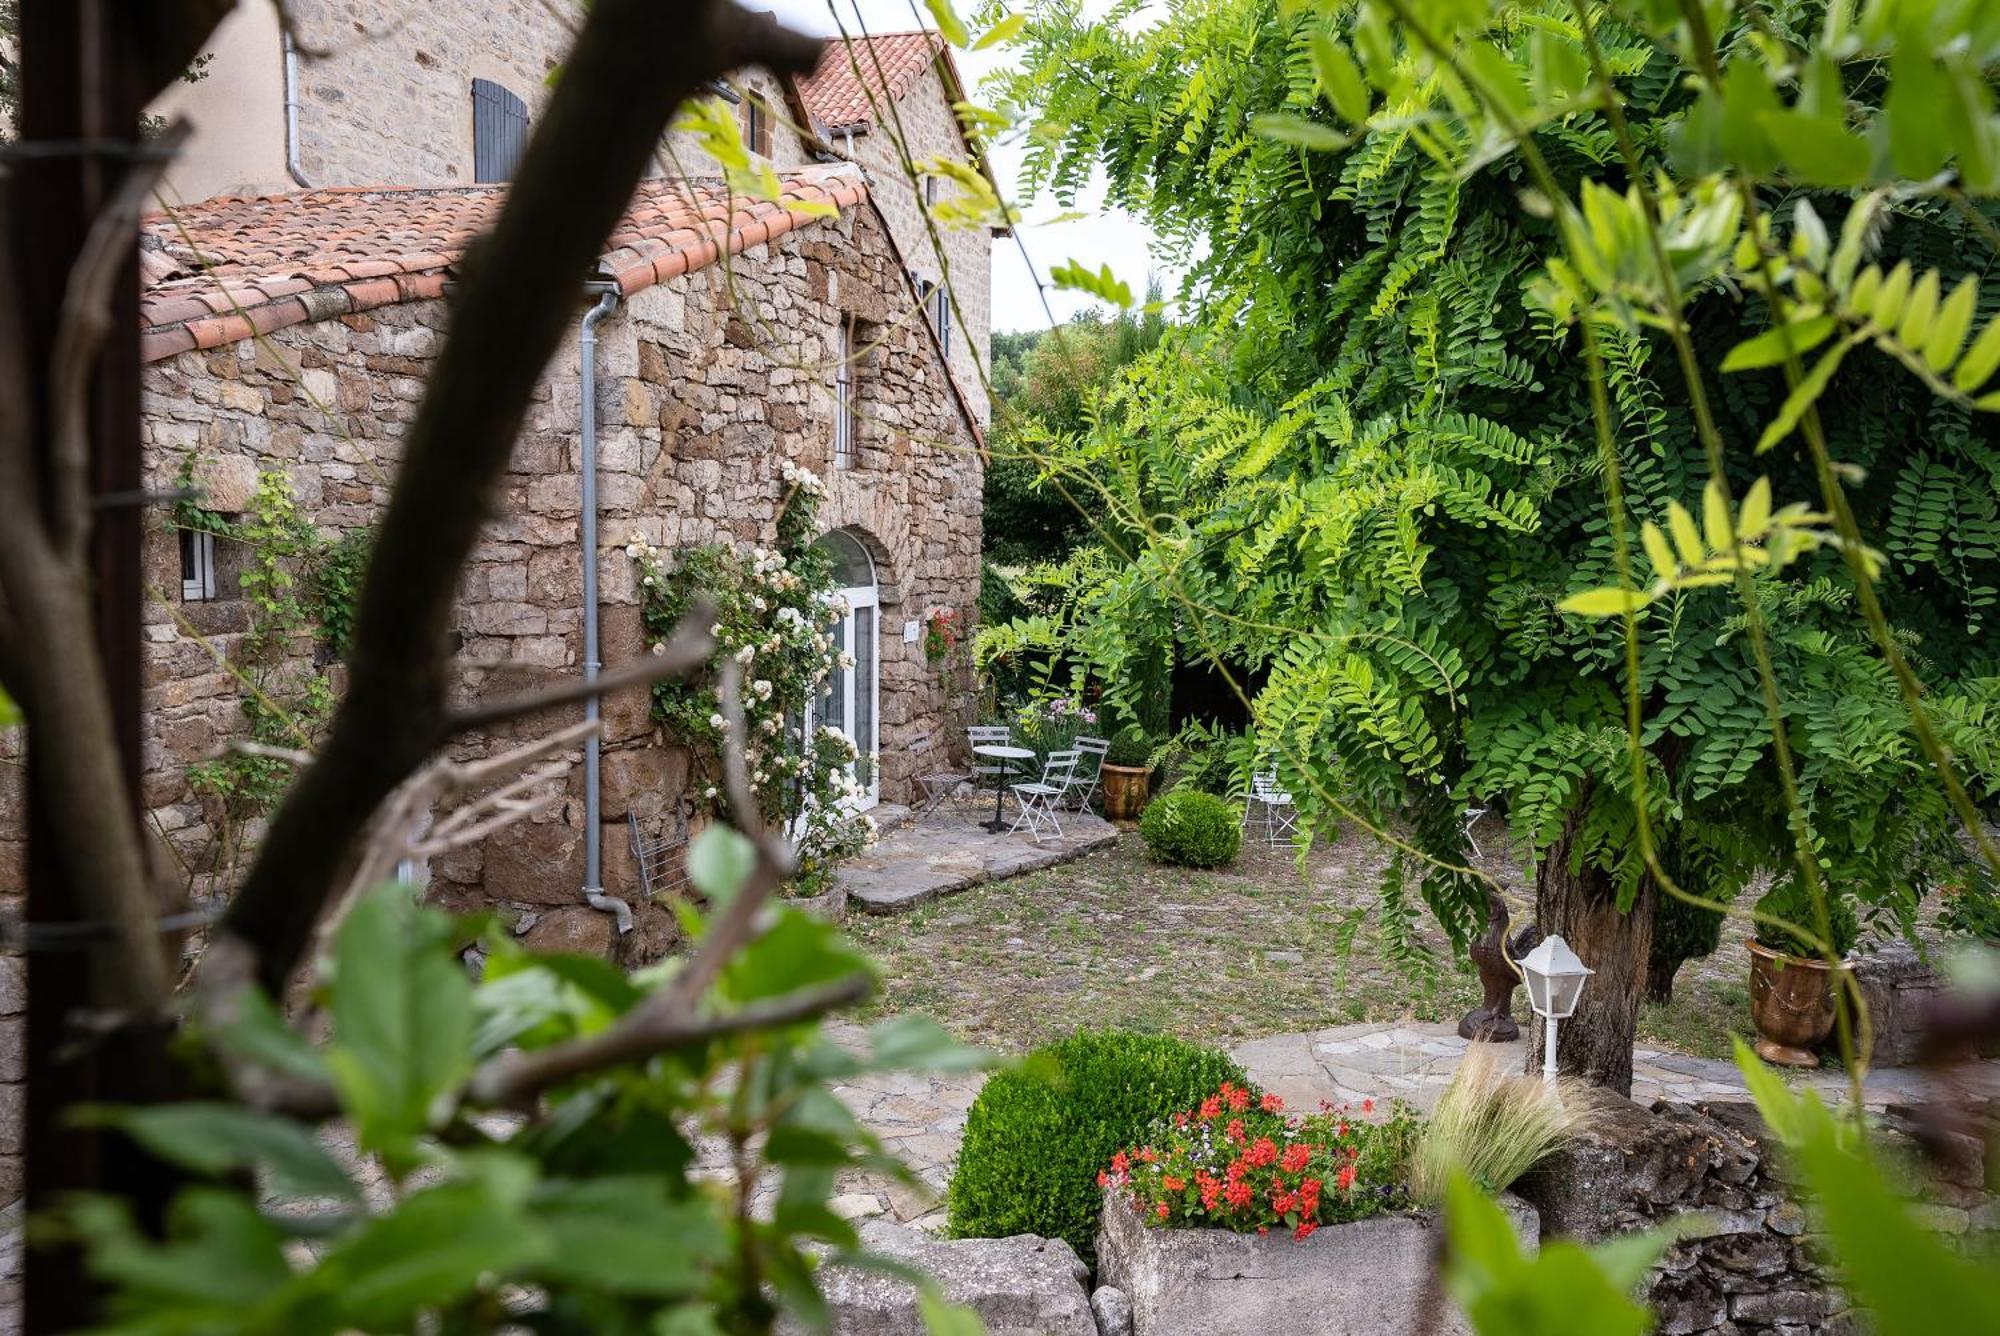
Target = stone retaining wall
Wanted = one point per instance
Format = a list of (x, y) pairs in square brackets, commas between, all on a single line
[(1754, 1269)]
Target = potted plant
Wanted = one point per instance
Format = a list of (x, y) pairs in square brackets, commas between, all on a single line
[(1793, 989), (1127, 775)]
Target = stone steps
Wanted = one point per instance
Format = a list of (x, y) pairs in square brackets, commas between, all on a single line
[(920, 860)]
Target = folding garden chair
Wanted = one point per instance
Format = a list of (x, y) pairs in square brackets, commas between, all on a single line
[(1039, 800), (934, 781), (990, 774), (1472, 815), (1089, 769), (1270, 806)]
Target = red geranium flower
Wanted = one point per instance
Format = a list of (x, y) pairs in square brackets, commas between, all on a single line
[(1235, 1129), (1305, 1230), (1120, 1162), (1344, 1180), (1161, 1210), (1172, 1184), (1237, 1194), (1211, 1108), (1272, 1104), (1296, 1158)]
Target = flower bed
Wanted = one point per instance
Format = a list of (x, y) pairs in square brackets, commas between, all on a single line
[(1239, 1216), (1240, 1162)]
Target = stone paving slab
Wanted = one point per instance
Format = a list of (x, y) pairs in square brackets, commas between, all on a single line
[(946, 852)]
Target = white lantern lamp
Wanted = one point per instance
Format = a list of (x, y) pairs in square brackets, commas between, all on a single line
[(1555, 978)]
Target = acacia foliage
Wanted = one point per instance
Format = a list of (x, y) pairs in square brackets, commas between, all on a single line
[(1367, 477)]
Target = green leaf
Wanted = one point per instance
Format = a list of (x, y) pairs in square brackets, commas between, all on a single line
[(1804, 395), (1818, 150), (1954, 318), (1604, 602), (918, 1043), (1747, 99), (1918, 313), (1916, 109), (1289, 129), (1098, 283), (1889, 299), (1756, 513), (719, 861), (1687, 538), (1561, 1291), (947, 1319), (608, 1234), (437, 1246), (1770, 347), (213, 1138), (1715, 516), (950, 26), (256, 1030), (1658, 550), (10, 713), (1980, 360), (402, 1019), (797, 951), (1339, 78), (1002, 31), (221, 1268)]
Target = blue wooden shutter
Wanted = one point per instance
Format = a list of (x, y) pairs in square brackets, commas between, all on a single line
[(499, 131)]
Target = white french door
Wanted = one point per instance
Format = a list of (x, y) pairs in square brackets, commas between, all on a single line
[(848, 699)]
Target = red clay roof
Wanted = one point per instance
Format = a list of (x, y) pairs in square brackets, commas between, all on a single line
[(230, 268), (839, 101)]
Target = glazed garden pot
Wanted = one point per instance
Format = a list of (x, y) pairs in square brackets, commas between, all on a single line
[(1791, 1003), (1126, 788)]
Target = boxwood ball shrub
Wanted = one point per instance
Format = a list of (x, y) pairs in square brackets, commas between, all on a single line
[(1192, 828), (1039, 1133)]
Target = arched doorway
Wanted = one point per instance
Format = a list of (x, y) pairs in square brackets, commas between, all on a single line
[(849, 697)]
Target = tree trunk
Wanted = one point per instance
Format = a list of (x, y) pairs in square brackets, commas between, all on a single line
[(1660, 979), (1582, 907)]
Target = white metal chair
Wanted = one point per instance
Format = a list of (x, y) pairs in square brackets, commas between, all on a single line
[(1039, 801), (1472, 815), (1089, 769), (1271, 807), (934, 780)]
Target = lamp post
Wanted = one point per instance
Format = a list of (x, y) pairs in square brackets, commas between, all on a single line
[(1555, 978)]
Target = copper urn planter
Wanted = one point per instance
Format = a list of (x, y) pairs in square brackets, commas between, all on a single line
[(1125, 789), (1791, 1002)]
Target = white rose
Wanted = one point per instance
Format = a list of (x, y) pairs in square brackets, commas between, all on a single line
[(717, 721)]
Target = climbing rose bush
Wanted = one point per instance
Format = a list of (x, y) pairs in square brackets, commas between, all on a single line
[(1240, 1161), (772, 609)]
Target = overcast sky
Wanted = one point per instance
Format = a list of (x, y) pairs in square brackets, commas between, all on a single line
[(1105, 236)]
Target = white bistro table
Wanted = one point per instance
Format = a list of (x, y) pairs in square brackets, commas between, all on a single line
[(997, 752)]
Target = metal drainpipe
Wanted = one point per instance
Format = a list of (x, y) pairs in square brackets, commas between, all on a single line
[(593, 830), (292, 114)]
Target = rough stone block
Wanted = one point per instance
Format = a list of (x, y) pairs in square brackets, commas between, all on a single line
[(1370, 1277), (577, 929), (1899, 990), (1021, 1284), (537, 863)]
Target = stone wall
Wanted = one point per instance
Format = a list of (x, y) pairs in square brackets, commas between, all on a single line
[(931, 130), (705, 384), (1753, 1268)]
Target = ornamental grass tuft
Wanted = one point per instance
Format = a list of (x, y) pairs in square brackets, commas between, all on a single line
[(1038, 1134), (1494, 1126)]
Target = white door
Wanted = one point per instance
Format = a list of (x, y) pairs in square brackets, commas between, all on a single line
[(847, 699)]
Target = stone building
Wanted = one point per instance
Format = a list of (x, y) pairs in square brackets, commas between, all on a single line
[(709, 377), (295, 297)]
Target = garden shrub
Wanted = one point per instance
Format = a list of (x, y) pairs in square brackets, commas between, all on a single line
[(1038, 1134), (1790, 901), (1192, 828)]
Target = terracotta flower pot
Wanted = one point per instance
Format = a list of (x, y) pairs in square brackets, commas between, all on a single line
[(1791, 1001), (1126, 788)]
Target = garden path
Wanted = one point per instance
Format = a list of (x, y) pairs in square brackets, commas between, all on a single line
[(922, 1119)]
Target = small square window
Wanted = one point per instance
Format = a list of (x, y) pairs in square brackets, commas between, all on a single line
[(197, 566), (756, 125)]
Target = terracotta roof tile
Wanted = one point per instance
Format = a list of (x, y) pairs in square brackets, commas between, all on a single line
[(839, 101), (228, 268)]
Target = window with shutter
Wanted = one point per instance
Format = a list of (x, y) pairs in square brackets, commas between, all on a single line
[(756, 125), (843, 397), (197, 566), (499, 131), (941, 316)]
